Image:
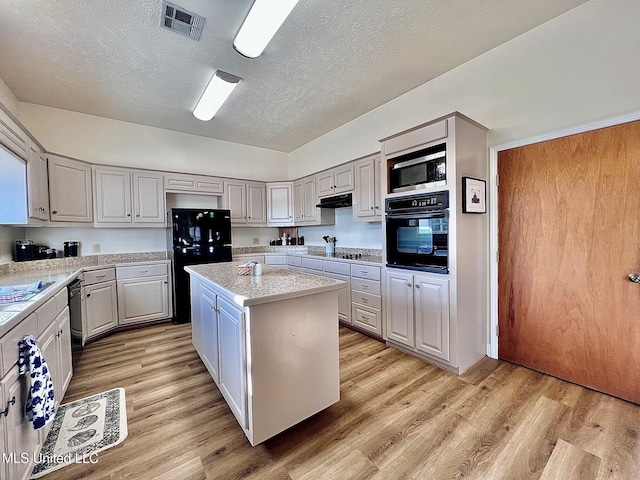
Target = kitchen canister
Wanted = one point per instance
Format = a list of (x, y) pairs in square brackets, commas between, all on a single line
[(71, 249)]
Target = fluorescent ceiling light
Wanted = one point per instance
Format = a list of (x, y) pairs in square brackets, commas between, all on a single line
[(220, 87), (262, 23)]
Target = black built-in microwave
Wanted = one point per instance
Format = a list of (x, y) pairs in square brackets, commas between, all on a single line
[(425, 168)]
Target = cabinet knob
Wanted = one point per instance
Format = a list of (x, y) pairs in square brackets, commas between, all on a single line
[(9, 403), (138, 215), (166, 283), (55, 212), (128, 214), (371, 208), (88, 295), (417, 286), (377, 207), (409, 285)]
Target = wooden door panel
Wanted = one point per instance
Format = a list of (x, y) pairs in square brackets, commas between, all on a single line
[(569, 215)]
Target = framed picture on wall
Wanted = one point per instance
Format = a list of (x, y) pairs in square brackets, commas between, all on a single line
[(474, 195)]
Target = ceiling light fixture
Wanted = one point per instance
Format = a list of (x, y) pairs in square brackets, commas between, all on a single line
[(262, 23), (218, 90)]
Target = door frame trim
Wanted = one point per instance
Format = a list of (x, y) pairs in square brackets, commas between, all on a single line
[(492, 346)]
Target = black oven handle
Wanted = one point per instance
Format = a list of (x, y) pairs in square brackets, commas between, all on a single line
[(411, 216)]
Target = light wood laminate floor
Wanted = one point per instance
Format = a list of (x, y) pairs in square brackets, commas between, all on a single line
[(398, 417)]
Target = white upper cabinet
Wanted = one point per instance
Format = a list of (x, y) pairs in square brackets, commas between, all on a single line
[(117, 189), (335, 181), (280, 203), (148, 198), (70, 191), (246, 201), (37, 183), (367, 198), (197, 184)]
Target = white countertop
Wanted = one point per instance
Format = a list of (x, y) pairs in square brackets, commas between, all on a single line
[(274, 284)]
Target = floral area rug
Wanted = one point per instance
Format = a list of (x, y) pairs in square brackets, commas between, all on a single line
[(82, 429)]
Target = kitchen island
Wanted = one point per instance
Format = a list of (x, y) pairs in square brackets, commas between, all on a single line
[(270, 343)]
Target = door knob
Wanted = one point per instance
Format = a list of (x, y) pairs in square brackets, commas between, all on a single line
[(634, 277)]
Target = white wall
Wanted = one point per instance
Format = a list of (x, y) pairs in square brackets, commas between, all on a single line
[(347, 233), (8, 237), (575, 69), (111, 240), (105, 141)]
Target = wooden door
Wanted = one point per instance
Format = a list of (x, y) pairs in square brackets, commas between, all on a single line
[(569, 223)]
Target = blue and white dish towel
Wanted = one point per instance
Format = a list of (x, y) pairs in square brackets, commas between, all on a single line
[(40, 408)]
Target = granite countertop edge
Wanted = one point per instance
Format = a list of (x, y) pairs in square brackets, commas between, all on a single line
[(324, 284)]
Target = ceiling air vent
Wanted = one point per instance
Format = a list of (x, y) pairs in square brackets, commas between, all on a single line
[(182, 21)]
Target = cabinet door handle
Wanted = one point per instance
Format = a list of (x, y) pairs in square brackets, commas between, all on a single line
[(143, 271), (371, 208), (128, 214), (9, 403), (137, 215), (364, 286), (364, 272), (409, 285), (417, 286), (88, 295), (166, 283), (100, 276), (377, 207), (364, 300), (365, 318), (55, 212)]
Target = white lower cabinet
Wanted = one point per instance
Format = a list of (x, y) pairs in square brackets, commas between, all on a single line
[(101, 308), (233, 374), (143, 293), (142, 299), (418, 312), (209, 331), (21, 440)]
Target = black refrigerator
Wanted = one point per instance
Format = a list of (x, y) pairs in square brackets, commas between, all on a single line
[(195, 236)]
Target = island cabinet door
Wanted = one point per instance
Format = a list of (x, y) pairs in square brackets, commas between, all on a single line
[(209, 331), (233, 376)]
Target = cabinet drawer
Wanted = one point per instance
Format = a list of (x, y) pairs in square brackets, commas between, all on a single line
[(366, 319), (366, 285), (97, 276), (373, 301), (341, 268), (294, 261), (365, 271), (245, 257), (275, 259), (312, 263), (9, 342), (62, 300), (136, 271), (46, 314)]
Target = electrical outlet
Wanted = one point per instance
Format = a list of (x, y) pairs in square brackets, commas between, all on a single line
[(96, 248), (256, 241)]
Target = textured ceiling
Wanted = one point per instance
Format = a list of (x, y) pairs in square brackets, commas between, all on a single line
[(332, 60)]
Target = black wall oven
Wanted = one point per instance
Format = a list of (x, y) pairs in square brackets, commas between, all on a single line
[(417, 232)]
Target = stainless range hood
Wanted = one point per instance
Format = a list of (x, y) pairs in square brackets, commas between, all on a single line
[(337, 201)]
